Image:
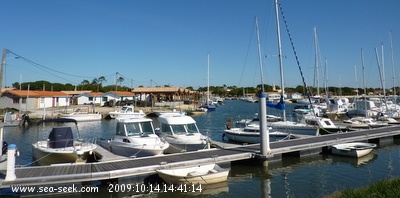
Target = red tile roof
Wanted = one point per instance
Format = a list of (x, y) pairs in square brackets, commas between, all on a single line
[(36, 94)]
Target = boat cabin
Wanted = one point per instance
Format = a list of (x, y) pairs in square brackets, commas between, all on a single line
[(177, 124), (134, 127)]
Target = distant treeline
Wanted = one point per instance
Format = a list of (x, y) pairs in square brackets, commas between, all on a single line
[(223, 91)]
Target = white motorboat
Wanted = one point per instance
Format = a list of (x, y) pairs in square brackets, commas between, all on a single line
[(81, 117), (126, 111), (363, 122), (256, 120), (61, 146), (11, 119), (182, 133), (135, 137), (354, 149), (325, 125), (202, 174), (251, 134)]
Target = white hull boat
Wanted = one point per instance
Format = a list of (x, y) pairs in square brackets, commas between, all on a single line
[(47, 155), (251, 134), (202, 174), (61, 146), (294, 128), (354, 149), (135, 137), (82, 117), (126, 111), (181, 132), (362, 122), (11, 120)]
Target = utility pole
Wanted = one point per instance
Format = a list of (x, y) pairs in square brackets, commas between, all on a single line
[(3, 64), (116, 81)]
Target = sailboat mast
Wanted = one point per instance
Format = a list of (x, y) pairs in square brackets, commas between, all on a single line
[(355, 74), (316, 60), (364, 86), (392, 57), (208, 78), (383, 73), (259, 57), (363, 70), (278, 32), (326, 78)]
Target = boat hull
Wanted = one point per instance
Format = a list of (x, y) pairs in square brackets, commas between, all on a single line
[(353, 149), (84, 117), (47, 156), (181, 148), (235, 134), (206, 174), (135, 151)]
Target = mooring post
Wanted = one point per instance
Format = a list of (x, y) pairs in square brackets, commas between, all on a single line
[(264, 132), (11, 153)]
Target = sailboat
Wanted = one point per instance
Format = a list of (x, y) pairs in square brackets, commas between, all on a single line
[(208, 105), (252, 131), (317, 100), (297, 128)]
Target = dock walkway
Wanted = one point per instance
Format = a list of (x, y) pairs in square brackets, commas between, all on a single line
[(118, 168)]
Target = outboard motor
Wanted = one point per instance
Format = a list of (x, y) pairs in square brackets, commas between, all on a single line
[(4, 149)]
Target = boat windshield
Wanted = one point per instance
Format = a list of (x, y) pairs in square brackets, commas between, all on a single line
[(139, 128), (178, 129), (126, 109), (192, 128)]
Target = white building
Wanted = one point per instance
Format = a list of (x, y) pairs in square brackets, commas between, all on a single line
[(25, 100)]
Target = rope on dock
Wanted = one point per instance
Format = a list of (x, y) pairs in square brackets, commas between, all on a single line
[(36, 160)]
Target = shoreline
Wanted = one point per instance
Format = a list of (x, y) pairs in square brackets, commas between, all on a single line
[(55, 112)]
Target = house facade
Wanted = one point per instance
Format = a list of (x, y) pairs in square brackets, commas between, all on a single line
[(114, 97), (90, 98), (28, 100)]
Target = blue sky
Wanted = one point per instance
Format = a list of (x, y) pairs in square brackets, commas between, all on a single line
[(156, 42)]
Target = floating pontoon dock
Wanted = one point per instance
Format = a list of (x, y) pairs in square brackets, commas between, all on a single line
[(114, 168)]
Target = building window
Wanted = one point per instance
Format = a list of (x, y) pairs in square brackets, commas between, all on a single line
[(104, 99), (15, 100), (90, 98)]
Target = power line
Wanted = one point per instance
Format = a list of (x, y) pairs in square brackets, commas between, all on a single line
[(46, 69)]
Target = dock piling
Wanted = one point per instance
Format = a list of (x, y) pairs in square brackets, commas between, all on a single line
[(11, 153)]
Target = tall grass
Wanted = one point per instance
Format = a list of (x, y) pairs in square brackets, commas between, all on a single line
[(385, 189)]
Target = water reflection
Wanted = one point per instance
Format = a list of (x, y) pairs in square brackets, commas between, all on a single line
[(357, 162)]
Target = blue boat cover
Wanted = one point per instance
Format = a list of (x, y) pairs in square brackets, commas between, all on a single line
[(61, 137)]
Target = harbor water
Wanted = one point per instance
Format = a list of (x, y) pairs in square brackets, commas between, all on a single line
[(310, 176)]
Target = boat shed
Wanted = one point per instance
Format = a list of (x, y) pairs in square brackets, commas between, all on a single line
[(168, 94)]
